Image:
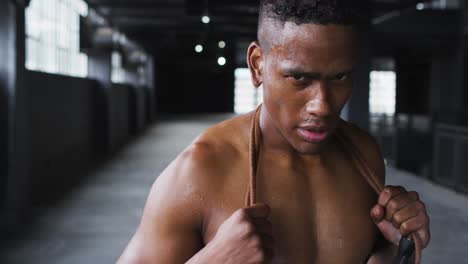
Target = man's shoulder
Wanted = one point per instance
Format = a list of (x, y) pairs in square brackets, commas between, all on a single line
[(219, 147), (367, 145), (222, 141)]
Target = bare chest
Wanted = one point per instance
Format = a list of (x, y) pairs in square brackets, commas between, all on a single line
[(318, 215)]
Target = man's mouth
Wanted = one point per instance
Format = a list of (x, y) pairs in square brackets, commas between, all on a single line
[(313, 134)]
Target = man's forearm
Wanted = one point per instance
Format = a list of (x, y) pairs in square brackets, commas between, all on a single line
[(199, 258), (205, 255)]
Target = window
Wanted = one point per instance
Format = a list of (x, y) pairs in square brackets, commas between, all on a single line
[(123, 76), (438, 4), (382, 93), (52, 37), (246, 97), (118, 72), (382, 101)]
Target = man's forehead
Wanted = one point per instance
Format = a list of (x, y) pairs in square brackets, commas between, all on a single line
[(312, 48)]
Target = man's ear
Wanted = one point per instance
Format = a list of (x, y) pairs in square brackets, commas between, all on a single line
[(255, 62)]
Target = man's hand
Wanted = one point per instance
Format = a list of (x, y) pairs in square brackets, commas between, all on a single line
[(400, 213), (245, 237)]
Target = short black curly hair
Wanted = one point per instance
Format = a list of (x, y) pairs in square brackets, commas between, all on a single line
[(323, 12)]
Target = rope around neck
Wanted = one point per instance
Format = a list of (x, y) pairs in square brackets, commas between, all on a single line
[(356, 156)]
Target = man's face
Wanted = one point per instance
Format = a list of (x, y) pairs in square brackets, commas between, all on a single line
[(307, 80)]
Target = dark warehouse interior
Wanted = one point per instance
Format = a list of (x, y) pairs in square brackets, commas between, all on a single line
[(55, 128)]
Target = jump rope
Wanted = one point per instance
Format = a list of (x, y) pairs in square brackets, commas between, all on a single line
[(408, 245)]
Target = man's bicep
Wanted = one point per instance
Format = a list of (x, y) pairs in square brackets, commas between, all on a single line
[(168, 247), (169, 229)]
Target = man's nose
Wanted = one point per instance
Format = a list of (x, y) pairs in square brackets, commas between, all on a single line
[(318, 103)]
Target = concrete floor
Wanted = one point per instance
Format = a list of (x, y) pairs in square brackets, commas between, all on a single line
[(94, 223)]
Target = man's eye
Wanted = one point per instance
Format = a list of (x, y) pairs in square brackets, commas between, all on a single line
[(299, 78), (341, 77)]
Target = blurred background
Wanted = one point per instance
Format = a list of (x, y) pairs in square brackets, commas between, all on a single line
[(98, 96)]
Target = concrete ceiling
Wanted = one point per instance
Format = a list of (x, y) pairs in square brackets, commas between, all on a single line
[(146, 19), (170, 29)]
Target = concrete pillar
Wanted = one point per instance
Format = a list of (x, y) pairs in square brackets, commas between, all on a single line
[(14, 139), (357, 109), (463, 103)]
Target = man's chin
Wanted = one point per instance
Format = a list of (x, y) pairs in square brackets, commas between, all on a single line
[(308, 148)]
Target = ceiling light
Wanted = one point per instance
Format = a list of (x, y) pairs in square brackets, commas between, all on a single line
[(205, 19), (198, 48), (222, 61), (221, 44), (420, 6)]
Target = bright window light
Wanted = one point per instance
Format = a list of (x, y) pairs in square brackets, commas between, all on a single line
[(118, 72), (382, 93), (53, 37), (246, 96)]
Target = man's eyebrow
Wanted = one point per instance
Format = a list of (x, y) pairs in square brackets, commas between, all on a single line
[(301, 72), (311, 74), (346, 71)]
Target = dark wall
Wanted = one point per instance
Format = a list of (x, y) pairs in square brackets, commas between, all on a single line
[(120, 110), (120, 114), (69, 121), (53, 128), (138, 104), (61, 125)]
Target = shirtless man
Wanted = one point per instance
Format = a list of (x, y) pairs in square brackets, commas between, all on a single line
[(314, 206)]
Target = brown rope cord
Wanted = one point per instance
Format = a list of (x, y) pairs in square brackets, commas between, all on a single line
[(356, 156), (254, 144)]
